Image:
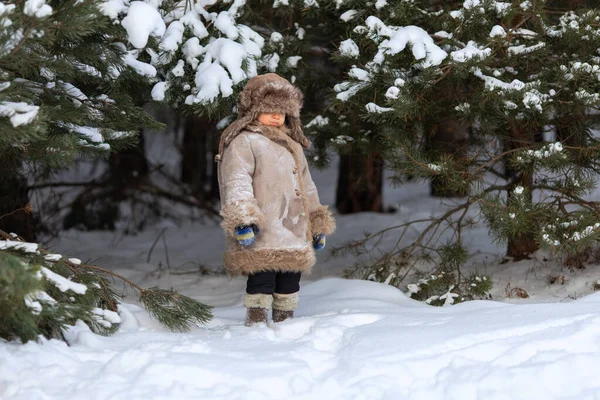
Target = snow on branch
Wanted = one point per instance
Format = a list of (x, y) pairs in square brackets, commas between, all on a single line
[(393, 40)]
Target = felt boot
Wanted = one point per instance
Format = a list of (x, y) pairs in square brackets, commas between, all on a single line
[(284, 306), (257, 308)]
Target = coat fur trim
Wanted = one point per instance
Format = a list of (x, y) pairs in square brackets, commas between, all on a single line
[(249, 261), (258, 300), (321, 221), (244, 212), (285, 302)]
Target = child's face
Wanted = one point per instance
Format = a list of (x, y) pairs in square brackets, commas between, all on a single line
[(271, 119)]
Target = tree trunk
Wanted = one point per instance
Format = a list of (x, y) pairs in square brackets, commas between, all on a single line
[(15, 215), (360, 183), (214, 194), (522, 246), (194, 148), (446, 138), (98, 207), (128, 168)]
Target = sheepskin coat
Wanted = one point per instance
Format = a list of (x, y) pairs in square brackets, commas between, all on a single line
[(264, 180)]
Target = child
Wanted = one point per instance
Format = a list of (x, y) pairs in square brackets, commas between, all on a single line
[(271, 212)]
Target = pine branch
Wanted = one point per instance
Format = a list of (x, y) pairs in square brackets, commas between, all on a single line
[(174, 310)]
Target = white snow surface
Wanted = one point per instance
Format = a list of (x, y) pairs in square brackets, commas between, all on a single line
[(349, 340), (19, 113), (62, 283), (143, 20), (18, 245), (470, 51), (349, 48), (37, 8)]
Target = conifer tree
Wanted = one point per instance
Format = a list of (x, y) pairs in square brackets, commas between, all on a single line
[(66, 84), (515, 73)]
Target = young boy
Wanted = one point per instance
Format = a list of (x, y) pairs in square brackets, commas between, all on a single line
[(272, 216)]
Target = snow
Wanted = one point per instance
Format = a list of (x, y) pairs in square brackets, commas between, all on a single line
[(497, 31), (276, 37), (37, 8), (92, 134), (31, 301), (492, 83), (112, 8), (319, 121), (346, 90), (192, 20), (350, 339), (359, 73), (349, 48), (191, 50), (140, 67), (6, 9), (212, 80), (179, 70), (142, 20), (272, 61), (392, 93), (158, 91), (300, 32), (348, 15), (173, 37), (379, 4), (62, 283), (18, 245), (422, 45), (106, 318), (374, 108), (292, 61), (222, 66), (226, 24), (470, 51), (52, 257), (19, 113), (523, 49), (443, 34)]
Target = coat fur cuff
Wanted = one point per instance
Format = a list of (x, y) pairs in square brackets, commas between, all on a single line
[(243, 212), (258, 300), (321, 221), (285, 302)]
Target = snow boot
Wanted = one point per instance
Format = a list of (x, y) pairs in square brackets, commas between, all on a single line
[(284, 306), (257, 308)]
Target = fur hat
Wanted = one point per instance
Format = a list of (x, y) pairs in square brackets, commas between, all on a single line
[(268, 93)]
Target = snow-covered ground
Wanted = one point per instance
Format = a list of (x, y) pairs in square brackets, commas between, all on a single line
[(350, 340)]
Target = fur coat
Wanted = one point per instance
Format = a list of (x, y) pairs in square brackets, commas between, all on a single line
[(264, 180)]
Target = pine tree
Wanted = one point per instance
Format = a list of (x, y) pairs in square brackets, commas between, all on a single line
[(66, 90), (514, 72)]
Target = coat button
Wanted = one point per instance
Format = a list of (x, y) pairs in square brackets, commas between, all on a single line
[(295, 171), (297, 192)]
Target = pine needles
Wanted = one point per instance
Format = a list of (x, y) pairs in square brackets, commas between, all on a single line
[(42, 293)]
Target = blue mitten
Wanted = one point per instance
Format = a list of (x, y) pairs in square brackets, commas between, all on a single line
[(319, 241), (246, 235)]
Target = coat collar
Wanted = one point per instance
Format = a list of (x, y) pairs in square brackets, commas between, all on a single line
[(278, 135)]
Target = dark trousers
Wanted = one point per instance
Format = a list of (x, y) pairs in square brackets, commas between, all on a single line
[(270, 282)]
